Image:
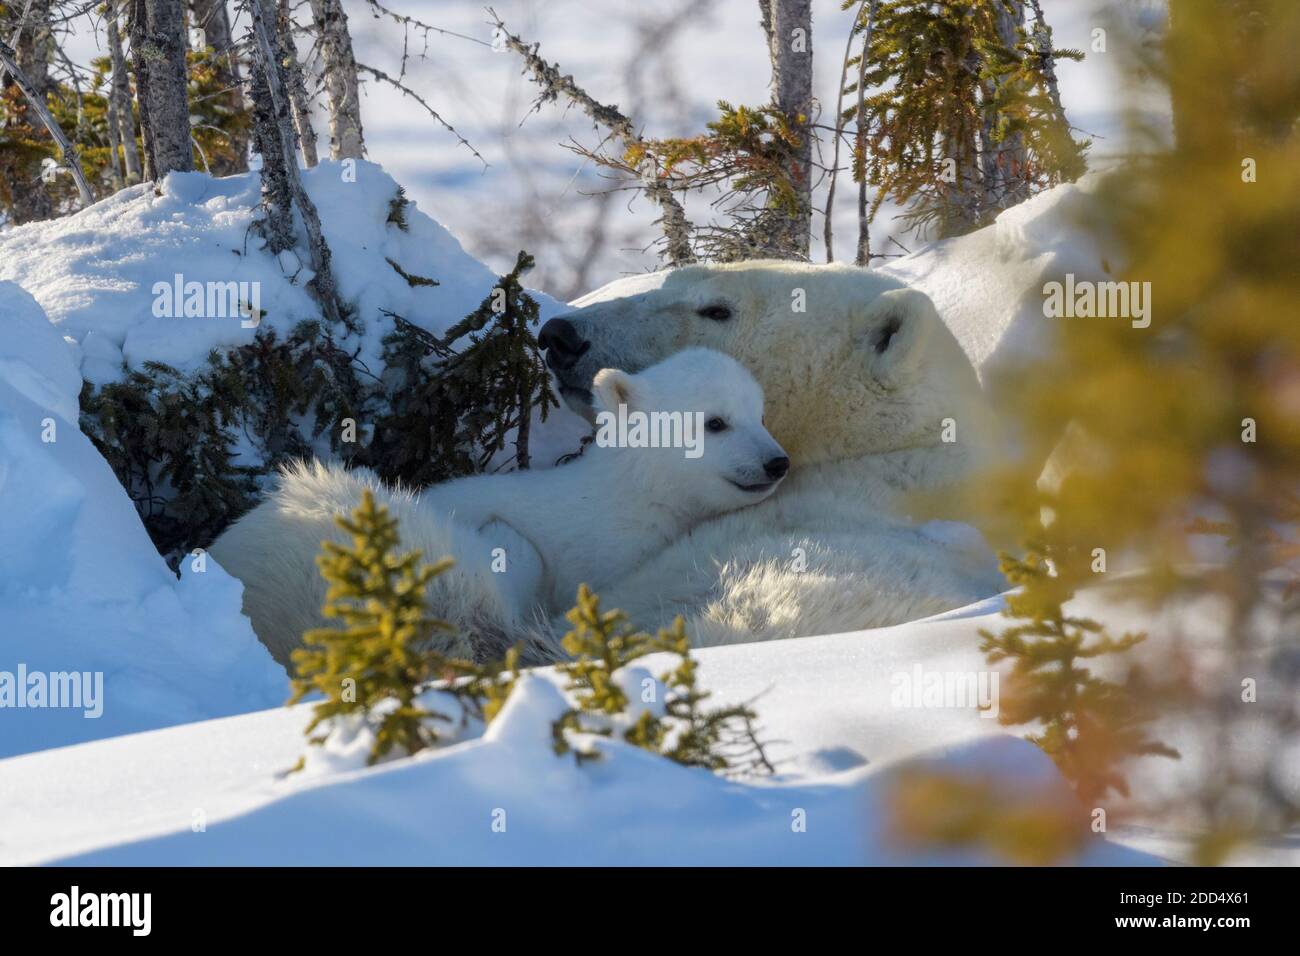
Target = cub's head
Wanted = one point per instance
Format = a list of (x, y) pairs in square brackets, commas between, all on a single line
[(692, 429), (851, 361)]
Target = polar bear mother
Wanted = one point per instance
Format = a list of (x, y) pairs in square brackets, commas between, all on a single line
[(870, 394)]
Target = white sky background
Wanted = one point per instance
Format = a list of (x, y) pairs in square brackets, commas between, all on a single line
[(537, 195)]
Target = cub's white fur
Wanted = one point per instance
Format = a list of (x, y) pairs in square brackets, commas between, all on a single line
[(544, 531), (864, 386)]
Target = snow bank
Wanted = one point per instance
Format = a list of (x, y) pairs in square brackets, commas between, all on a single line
[(215, 793), (82, 588), (840, 712), (95, 272)]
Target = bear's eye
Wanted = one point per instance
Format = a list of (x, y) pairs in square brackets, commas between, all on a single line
[(718, 313), (715, 424)]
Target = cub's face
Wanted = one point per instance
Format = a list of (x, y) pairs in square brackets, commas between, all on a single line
[(836, 349), (695, 424)]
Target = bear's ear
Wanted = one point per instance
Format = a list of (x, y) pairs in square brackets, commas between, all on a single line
[(890, 334), (613, 387)]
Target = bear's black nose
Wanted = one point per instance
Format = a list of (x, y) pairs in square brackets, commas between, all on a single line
[(776, 467), (562, 342)]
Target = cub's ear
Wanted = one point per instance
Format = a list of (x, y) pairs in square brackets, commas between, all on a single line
[(613, 387), (890, 334)]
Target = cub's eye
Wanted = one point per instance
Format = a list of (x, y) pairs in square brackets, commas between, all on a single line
[(715, 424), (718, 313)]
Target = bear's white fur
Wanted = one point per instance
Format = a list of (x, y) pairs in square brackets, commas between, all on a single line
[(523, 541), (863, 387)]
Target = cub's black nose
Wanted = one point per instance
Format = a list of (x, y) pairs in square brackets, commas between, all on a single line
[(562, 342), (776, 467)]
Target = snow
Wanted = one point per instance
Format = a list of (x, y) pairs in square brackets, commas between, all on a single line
[(839, 726), (95, 272), (82, 587), (217, 793)]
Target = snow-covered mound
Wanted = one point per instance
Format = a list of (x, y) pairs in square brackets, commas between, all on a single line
[(82, 588), (95, 272), (216, 792)]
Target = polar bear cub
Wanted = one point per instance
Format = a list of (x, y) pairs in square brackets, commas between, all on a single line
[(677, 443)]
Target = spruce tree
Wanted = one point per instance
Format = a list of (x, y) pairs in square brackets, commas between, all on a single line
[(601, 644), (456, 399), (375, 664), (960, 111), (1090, 725), (380, 662)]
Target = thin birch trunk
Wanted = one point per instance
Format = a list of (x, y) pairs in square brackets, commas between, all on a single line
[(119, 97), (340, 72), (828, 231), (862, 255), (296, 87), (788, 25), (270, 64), (114, 143)]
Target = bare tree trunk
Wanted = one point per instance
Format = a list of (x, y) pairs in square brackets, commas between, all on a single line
[(1042, 34), (788, 25), (828, 230), (296, 87), (34, 46), (114, 143), (340, 72), (862, 255), (270, 61), (968, 200), (167, 86), (212, 19), (119, 98)]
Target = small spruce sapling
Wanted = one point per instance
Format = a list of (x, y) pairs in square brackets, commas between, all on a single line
[(604, 642), (379, 663), (1090, 725)]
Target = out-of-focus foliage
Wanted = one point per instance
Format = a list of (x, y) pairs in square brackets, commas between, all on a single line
[(1177, 446)]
